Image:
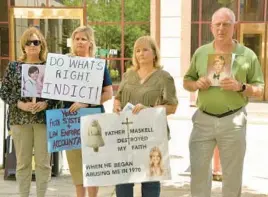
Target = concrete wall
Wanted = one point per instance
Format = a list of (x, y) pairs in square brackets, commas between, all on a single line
[(175, 31), (170, 35)]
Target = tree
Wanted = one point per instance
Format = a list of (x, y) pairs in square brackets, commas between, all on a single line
[(105, 18), (109, 36), (225, 2)]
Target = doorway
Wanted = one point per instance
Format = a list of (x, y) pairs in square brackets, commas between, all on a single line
[(253, 36)]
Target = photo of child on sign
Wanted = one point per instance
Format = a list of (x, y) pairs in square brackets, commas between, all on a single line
[(219, 67), (32, 80), (156, 165)]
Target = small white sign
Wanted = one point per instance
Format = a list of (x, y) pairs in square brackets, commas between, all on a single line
[(32, 80)]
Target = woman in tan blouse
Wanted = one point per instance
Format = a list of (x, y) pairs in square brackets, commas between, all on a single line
[(146, 85)]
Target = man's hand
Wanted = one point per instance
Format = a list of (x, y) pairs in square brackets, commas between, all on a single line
[(76, 106), (26, 106), (39, 106), (230, 84), (203, 83)]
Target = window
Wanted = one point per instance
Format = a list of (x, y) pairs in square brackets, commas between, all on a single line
[(210, 6), (46, 3), (194, 38), (4, 47), (4, 39), (30, 3), (3, 65), (252, 10), (65, 3), (116, 32), (206, 35), (3, 11), (195, 10), (117, 24), (251, 29)]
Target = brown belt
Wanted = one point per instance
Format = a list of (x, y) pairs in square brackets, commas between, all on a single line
[(224, 114)]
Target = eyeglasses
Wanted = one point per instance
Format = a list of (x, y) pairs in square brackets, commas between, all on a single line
[(224, 25), (35, 42)]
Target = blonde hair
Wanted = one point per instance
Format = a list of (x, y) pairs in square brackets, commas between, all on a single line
[(153, 45), (156, 149), (26, 36), (89, 32), (219, 58)]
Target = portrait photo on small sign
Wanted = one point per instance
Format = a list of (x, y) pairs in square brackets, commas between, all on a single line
[(32, 80)]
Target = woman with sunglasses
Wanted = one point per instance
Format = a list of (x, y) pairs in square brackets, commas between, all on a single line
[(27, 118)]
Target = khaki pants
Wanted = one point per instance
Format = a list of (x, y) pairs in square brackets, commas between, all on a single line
[(26, 138), (74, 158), (229, 134)]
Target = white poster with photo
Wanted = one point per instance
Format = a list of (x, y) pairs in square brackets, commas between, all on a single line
[(32, 80), (125, 148), (73, 78)]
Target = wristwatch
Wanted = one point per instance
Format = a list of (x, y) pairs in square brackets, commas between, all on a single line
[(243, 88)]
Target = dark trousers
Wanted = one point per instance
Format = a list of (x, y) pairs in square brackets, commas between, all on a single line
[(148, 189)]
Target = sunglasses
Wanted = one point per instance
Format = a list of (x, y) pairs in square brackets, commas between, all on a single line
[(35, 42)]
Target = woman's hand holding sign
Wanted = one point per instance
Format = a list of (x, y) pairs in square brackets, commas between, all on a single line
[(40, 106), (76, 106), (26, 106), (32, 107), (117, 106), (138, 108)]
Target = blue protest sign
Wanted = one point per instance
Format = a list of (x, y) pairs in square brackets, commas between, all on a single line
[(63, 128)]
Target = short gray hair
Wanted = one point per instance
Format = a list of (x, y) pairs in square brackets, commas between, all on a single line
[(227, 11)]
